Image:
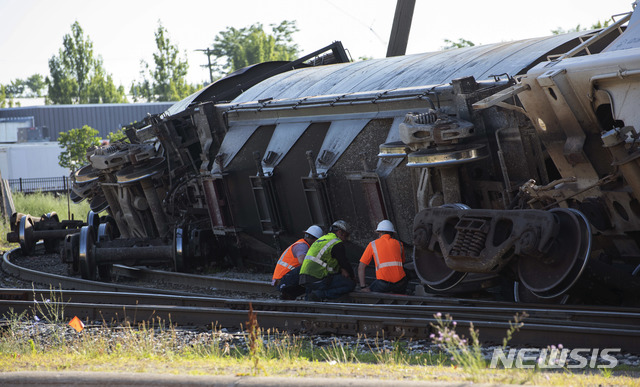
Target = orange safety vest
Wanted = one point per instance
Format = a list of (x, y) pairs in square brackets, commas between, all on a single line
[(389, 257), (287, 261)]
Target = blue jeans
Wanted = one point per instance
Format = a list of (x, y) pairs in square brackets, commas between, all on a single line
[(329, 288), (289, 287), (390, 287)]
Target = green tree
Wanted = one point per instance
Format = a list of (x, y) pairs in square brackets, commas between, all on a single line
[(15, 89), (74, 70), (75, 143), (167, 81), (102, 89), (238, 48), (3, 97), (36, 84), (594, 26), (459, 44)]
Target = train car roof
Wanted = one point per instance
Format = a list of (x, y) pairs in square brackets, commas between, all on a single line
[(432, 68)]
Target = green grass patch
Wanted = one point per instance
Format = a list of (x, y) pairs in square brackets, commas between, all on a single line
[(38, 204), (159, 347)]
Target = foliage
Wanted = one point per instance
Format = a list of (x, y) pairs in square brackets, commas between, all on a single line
[(167, 80), (102, 89), (77, 76), (118, 135), (15, 88), (465, 354), (238, 48), (459, 44), (595, 26), (36, 83), (75, 143), (3, 96)]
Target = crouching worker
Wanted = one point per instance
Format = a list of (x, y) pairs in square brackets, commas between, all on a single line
[(325, 272), (287, 272), (388, 254)]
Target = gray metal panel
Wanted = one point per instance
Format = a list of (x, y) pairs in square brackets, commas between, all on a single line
[(340, 135), (103, 117), (406, 71), (284, 137), (233, 141)]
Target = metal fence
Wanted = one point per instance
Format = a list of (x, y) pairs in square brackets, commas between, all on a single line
[(42, 184)]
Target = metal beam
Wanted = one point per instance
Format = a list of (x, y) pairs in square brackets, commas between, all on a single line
[(401, 27)]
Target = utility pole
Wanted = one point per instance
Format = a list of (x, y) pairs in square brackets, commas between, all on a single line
[(401, 27), (208, 52)]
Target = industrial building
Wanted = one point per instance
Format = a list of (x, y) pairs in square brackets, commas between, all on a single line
[(28, 135)]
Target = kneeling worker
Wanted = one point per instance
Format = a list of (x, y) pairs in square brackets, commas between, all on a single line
[(287, 271), (325, 271), (388, 254)]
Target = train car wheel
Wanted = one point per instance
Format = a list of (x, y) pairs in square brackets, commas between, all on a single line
[(554, 274), (27, 240), (51, 245), (433, 271), (178, 250), (105, 233), (87, 261), (524, 295)]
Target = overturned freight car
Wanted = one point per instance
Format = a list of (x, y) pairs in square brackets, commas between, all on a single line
[(516, 163)]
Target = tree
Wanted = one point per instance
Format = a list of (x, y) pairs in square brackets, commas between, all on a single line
[(3, 96), (75, 144), (36, 84), (595, 26), (15, 89), (238, 48), (74, 69), (101, 88), (459, 44), (167, 81)]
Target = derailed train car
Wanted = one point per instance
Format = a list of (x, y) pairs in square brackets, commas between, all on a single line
[(511, 163)]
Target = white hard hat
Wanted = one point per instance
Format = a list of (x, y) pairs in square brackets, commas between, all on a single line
[(341, 225), (385, 226), (314, 231)]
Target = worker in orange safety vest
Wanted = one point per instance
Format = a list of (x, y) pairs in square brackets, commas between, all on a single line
[(388, 255), (287, 272)]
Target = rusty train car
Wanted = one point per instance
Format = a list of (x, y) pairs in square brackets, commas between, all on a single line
[(514, 164)]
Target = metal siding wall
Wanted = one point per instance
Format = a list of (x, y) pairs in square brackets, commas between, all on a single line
[(104, 117)]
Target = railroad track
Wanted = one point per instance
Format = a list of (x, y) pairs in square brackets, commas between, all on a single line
[(366, 313)]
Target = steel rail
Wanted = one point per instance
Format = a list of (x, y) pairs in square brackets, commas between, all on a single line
[(65, 282), (577, 318), (330, 318), (422, 305), (554, 324), (195, 280)]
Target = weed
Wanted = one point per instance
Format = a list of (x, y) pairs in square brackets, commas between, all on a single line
[(467, 353), (51, 309), (255, 340)]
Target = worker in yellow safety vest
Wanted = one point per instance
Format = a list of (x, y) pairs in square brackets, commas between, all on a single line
[(287, 271), (325, 272), (388, 255)]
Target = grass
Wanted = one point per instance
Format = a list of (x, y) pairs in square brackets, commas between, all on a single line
[(38, 204), (160, 347)]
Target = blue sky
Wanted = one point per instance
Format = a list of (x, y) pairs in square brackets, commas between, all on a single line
[(31, 31)]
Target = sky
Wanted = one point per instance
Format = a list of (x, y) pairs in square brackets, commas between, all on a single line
[(122, 32)]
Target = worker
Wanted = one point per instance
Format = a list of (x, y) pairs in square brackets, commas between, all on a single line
[(325, 272), (287, 271), (388, 254)]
